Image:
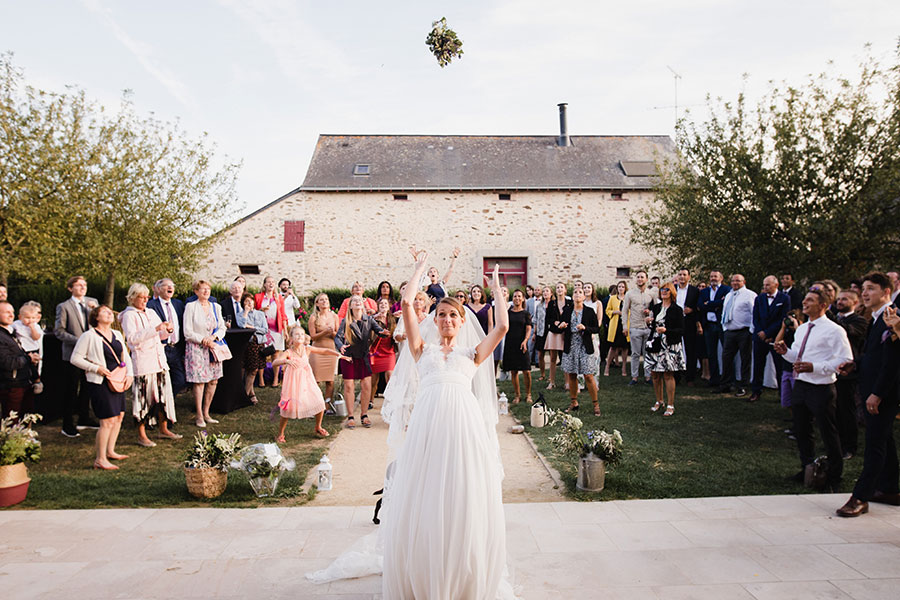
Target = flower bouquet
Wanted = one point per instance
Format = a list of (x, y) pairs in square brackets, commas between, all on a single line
[(595, 449), (207, 461), (18, 443), (573, 439), (263, 465)]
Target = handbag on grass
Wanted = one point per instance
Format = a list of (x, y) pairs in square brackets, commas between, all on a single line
[(117, 380)]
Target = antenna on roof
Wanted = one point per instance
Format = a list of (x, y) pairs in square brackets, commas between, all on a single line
[(677, 77)]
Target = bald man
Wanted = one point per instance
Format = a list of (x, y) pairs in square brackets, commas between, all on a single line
[(769, 311)]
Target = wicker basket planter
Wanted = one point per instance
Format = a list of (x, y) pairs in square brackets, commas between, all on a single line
[(14, 482), (205, 483)]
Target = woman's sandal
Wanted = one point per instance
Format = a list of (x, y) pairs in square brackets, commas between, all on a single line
[(365, 421), (517, 399), (351, 423), (529, 399), (670, 410), (550, 386), (254, 399), (280, 439), (322, 433), (572, 408), (111, 467), (657, 406), (597, 410)]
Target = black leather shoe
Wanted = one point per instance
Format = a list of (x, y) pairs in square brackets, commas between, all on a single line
[(88, 422), (853, 508), (740, 393), (753, 398), (70, 431), (886, 498)]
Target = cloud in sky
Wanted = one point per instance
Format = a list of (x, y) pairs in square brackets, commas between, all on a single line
[(145, 55)]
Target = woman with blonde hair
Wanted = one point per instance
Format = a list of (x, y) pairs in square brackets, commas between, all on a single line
[(152, 392), (352, 340), (617, 335), (203, 328), (421, 304), (323, 326)]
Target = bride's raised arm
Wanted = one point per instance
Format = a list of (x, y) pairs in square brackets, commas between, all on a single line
[(410, 321), (486, 348)]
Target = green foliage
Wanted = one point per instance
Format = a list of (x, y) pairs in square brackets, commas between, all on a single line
[(18, 441), (139, 195), (808, 181), (443, 43), (213, 451)]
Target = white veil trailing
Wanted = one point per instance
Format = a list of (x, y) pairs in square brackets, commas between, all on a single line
[(365, 557)]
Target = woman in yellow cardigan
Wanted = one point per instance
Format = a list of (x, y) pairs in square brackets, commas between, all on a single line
[(617, 334)]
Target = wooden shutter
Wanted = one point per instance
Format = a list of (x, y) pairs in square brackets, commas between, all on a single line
[(294, 233)]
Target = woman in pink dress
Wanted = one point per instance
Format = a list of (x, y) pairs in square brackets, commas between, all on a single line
[(301, 397)]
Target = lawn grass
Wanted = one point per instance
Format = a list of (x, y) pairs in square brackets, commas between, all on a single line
[(714, 445), (153, 477)]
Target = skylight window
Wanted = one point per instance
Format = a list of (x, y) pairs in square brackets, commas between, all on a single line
[(361, 169)]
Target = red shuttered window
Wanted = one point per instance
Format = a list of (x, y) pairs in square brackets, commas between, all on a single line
[(294, 233)]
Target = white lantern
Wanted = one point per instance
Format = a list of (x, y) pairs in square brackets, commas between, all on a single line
[(324, 474), (504, 404)]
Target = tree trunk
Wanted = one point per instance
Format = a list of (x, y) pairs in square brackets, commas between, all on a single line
[(108, 296)]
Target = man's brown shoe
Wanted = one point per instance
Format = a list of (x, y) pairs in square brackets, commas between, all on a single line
[(853, 508), (885, 498)]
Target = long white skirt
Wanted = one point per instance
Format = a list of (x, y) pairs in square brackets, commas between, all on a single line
[(445, 531)]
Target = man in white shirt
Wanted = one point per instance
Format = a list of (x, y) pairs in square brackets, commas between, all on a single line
[(737, 320), (171, 310), (820, 347), (291, 302), (637, 306)]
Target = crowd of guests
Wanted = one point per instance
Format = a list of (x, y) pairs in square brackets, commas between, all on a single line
[(835, 352)]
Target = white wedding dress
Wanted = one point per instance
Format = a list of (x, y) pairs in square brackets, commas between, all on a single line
[(444, 527)]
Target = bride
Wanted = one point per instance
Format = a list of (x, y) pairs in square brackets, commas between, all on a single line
[(444, 527), (443, 532)]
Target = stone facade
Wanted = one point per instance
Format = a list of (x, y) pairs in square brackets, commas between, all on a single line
[(365, 236)]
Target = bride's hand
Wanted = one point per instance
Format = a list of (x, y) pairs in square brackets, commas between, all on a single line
[(421, 256), (414, 252), (495, 280)]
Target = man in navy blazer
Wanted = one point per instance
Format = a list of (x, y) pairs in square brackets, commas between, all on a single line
[(709, 311), (769, 311), (878, 368), (171, 310), (687, 296)]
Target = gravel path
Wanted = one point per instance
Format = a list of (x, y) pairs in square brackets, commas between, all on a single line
[(359, 457)]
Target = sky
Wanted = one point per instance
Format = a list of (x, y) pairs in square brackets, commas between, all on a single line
[(265, 78)]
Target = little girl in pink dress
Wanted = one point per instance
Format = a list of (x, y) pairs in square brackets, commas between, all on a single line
[(301, 397)]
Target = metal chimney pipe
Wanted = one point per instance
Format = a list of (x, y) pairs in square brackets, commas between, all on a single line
[(563, 127)]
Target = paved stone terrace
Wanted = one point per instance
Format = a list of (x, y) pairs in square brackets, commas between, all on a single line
[(765, 547)]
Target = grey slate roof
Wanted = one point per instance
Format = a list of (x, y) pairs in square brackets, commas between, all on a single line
[(473, 162)]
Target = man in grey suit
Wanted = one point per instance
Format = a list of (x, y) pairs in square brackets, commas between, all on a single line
[(71, 322)]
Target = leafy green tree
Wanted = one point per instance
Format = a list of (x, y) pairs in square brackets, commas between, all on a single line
[(116, 196), (808, 181)]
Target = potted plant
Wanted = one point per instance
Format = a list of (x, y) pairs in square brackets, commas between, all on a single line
[(18, 443), (595, 449), (263, 464), (206, 463)]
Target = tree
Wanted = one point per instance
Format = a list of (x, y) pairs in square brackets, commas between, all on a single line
[(806, 182), (111, 196)]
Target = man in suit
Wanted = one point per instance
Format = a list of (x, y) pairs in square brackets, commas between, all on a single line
[(856, 327), (788, 287), (231, 305), (709, 314), (171, 310), (71, 322), (769, 311), (878, 367), (686, 296)]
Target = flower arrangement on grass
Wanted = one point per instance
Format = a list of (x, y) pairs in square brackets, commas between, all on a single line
[(263, 464), (573, 439), (214, 451), (18, 441)]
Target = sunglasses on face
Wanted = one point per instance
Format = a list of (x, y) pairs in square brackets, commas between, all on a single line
[(460, 297)]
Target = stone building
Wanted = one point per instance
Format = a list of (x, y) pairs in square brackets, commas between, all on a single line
[(545, 208)]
